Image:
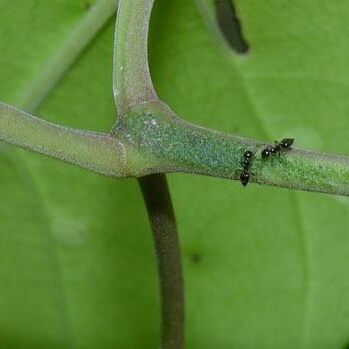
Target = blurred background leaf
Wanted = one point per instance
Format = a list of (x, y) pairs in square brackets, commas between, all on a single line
[(264, 267)]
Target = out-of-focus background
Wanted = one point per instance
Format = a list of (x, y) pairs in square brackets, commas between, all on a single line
[(264, 267)]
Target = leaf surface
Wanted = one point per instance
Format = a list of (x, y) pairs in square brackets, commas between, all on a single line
[(264, 267)]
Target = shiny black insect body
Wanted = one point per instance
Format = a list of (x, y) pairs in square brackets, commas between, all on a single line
[(279, 147), (244, 177), (268, 151), (246, 162), (284, 145)]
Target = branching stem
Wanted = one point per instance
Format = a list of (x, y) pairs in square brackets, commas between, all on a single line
[(132, 88), (156, 141), (178, 146)]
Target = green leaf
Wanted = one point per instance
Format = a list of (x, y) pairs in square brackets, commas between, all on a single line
[(264, 267)]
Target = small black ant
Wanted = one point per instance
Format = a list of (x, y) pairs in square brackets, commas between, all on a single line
[(283, 145), (267, 152), (246, 162), (244, 177)]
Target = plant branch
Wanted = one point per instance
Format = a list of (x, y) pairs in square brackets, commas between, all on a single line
[(163, 224), (179, 146), (132, 83), (66, 55), (133, 87), (156, 141), (97, 152)]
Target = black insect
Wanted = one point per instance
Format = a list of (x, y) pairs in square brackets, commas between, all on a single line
[(268, 151), (246, 162), (277, 148), (284, 145), (244, 177)]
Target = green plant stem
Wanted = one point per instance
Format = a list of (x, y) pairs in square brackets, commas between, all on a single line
[(91, 150), (132, 83), (179, 146), (156, 140), (133, 87), (163, 224), (97, 152), (65, 56)]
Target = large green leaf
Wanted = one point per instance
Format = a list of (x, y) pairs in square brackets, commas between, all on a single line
[(264, 267)]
